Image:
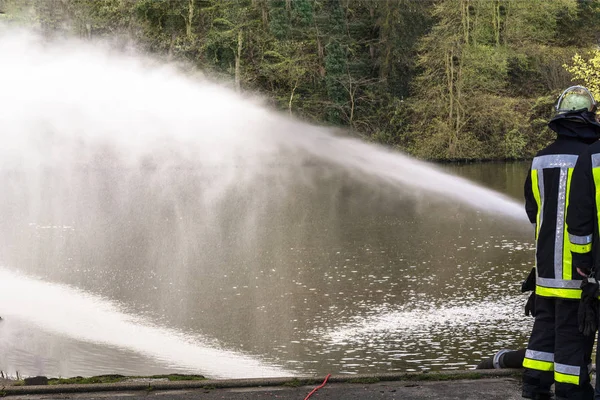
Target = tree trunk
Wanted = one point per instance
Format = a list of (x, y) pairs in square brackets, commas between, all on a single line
[(352, 92), (385, 40), (459, 109), (450, 79), (468, 22), (292, 96), (371, 46), (474, 38), (320, 51), (265, 13), (459, 96), (188, 25), (171, 45), (497, 22), (451, 142), (238, 60)]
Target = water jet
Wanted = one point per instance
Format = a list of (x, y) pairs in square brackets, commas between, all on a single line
[(194, 207)]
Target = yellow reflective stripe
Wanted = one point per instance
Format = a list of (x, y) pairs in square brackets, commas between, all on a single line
[(536, 195), (581, 248), (565, 378), (556, 292), (538, 365), (596, 174), (567, 270)]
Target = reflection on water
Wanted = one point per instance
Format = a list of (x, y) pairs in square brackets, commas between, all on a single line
[(61, 310), (444, 334), (504, 177), (329, 276), (26, 348)]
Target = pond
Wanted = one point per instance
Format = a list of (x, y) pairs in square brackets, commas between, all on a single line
[(119, 271)]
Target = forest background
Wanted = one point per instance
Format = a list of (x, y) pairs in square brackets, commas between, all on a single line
[(440, 79)]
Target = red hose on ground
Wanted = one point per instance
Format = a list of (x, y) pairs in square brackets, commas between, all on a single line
[(318, 387)]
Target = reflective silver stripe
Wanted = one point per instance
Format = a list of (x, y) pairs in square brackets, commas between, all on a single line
[(567, 369), (539, 355), (560, 223), (580, 239), (554, 161), (541, 210), (595, 160), (558, 283), (496, 359)]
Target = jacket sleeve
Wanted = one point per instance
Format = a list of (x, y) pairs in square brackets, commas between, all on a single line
[(531, 206), (581, 212)]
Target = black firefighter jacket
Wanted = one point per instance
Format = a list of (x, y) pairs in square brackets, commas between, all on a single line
[(584, 203), (548, 186)]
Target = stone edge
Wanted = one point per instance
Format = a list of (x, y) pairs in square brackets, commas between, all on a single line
[(257, 382)]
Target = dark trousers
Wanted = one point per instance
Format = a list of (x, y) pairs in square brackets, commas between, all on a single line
[(556, 337), (597, 391)]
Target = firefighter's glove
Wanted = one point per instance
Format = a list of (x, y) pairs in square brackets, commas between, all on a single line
[(587, 314), (529, 283), (530, 305)]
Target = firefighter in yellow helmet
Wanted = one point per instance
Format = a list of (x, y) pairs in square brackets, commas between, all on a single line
[(582, 228), (557, 351)]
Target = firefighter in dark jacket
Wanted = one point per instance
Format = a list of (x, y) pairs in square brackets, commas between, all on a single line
[(582, 222), (557, 351)]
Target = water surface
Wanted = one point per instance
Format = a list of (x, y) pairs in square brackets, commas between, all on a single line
[(333, 276)]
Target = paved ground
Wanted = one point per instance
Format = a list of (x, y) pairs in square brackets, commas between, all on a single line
[(503, 385), (488, 389)]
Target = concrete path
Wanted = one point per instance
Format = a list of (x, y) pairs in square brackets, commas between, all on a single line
[(489, 389), (489, 385)]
